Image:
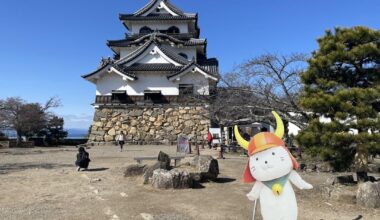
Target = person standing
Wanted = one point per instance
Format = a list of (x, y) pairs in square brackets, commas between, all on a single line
[(83, 159), (120, 139), (209, 139)]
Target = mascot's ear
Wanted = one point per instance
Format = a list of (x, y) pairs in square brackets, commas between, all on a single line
[(294, 161), (247, 176)]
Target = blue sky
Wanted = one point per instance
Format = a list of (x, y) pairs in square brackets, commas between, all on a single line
[(46, 45)]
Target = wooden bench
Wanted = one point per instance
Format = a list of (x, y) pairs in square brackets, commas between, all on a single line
[(176, 159)]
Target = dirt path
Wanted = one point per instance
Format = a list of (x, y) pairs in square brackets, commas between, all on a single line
[(41, 183)]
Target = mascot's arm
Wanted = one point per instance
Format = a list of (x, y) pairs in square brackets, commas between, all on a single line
[(255, 192), (296, 179)]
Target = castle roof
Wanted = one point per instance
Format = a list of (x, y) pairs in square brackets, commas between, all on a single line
[(159, 37), (155, 17), (153, 3)]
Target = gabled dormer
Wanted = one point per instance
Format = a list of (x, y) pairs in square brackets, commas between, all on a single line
[(187, 48), (161, 16)]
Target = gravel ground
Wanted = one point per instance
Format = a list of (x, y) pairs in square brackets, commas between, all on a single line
[(42, 183)]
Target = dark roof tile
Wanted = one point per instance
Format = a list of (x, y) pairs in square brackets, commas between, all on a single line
[(155, 17)]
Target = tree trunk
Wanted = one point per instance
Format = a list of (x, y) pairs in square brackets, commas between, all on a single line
[(361, 165), (19, 138)]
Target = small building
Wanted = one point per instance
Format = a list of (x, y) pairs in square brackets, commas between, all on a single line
[(154, 87)]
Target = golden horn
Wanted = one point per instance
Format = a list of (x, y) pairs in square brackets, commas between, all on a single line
[(241, 141), (280, 125)]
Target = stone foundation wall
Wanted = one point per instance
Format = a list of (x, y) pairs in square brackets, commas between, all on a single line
[(150, 124)]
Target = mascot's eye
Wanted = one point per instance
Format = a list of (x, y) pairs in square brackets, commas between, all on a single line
[(257, 158), (273, 153)]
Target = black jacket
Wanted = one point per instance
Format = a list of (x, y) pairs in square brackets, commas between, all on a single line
[(83, 159)]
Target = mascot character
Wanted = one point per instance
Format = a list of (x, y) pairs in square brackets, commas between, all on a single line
[(271, 167)]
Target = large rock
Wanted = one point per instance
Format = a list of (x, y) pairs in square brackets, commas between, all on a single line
[(340, 193), (134, 170), (174, 179), (368, 195), (207, 165), (148, 172)]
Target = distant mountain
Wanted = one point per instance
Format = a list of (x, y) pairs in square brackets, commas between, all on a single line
[(72, 133)]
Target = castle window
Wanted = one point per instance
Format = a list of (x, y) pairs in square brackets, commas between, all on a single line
[(119, 96), (154, 96), (183, 55), (173, 30), (186, 89), (145, 30)]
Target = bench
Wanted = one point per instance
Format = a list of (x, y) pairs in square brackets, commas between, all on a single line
[(176, 159)]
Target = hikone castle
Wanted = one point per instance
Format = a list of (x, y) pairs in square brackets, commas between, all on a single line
[(152, 87)]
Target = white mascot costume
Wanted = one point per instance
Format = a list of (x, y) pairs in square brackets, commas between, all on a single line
[(271, 168)]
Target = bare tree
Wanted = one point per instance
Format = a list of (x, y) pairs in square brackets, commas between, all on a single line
[(260, 85), (27, 119)]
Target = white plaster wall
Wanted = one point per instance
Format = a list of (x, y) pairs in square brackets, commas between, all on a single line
[(201, 86), (152, 81), (153, 58), (109, 82), (183, 27), (159, 81)]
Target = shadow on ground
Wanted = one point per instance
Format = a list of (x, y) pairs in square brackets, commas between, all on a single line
[(224, 180), (96, 169), (16, 167)]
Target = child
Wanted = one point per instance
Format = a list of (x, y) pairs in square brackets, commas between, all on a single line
[(83, 159)]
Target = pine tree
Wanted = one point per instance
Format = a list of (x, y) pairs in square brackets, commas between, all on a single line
[(342, 85)]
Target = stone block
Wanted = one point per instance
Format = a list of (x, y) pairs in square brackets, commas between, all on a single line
[(368, 195), (174, 179), (112, 131), (134, 170)]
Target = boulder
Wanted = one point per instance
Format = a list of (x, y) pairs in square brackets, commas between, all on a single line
[(148, 171), (368, 195), (134, 170), (174, 179), (112, 132), (207, 165), (343, 194)]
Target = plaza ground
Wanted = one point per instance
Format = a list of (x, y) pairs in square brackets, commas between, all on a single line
[(42, 183)]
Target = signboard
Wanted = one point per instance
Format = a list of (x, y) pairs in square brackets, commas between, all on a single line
[(183, 144), (216, 135)]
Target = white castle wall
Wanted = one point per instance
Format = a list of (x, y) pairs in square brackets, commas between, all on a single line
[(151, 81)]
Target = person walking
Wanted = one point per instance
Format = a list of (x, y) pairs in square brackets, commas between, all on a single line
[(83, 159), (120, 139)]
